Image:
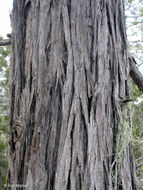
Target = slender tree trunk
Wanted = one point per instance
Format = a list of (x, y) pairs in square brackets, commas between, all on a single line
[(69, 78)]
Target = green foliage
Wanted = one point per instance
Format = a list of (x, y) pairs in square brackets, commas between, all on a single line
[(135, 94), (130, 1), (137, 122), (134, 25), (4, 105)]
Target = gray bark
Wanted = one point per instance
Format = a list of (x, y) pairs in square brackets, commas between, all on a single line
[(135, 74), (69, 74)]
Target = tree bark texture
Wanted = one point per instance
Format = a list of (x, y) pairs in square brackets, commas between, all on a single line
[(69, 75)]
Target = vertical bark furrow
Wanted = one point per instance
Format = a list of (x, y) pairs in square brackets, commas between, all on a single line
[(84, 140), (21, 169)]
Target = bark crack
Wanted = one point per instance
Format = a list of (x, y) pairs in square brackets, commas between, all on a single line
[(71, 149)]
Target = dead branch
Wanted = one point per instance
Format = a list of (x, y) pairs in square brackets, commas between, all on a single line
[(135, 74), (5, 42)]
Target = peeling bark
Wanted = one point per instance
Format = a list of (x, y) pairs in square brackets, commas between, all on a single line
[(69, 74), (135, 74)]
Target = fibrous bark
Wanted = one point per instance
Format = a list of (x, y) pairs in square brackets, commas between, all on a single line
[(134, 71), (69, 75)]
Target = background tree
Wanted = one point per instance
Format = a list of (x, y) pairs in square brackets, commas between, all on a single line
[(4, 111)]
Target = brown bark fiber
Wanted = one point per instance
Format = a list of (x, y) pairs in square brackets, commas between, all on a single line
[(69, 75)]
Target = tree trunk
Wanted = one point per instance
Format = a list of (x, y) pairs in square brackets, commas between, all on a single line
[(69, 79)]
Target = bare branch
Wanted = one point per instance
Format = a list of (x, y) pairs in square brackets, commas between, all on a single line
[(5, 42), (135, 73)]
